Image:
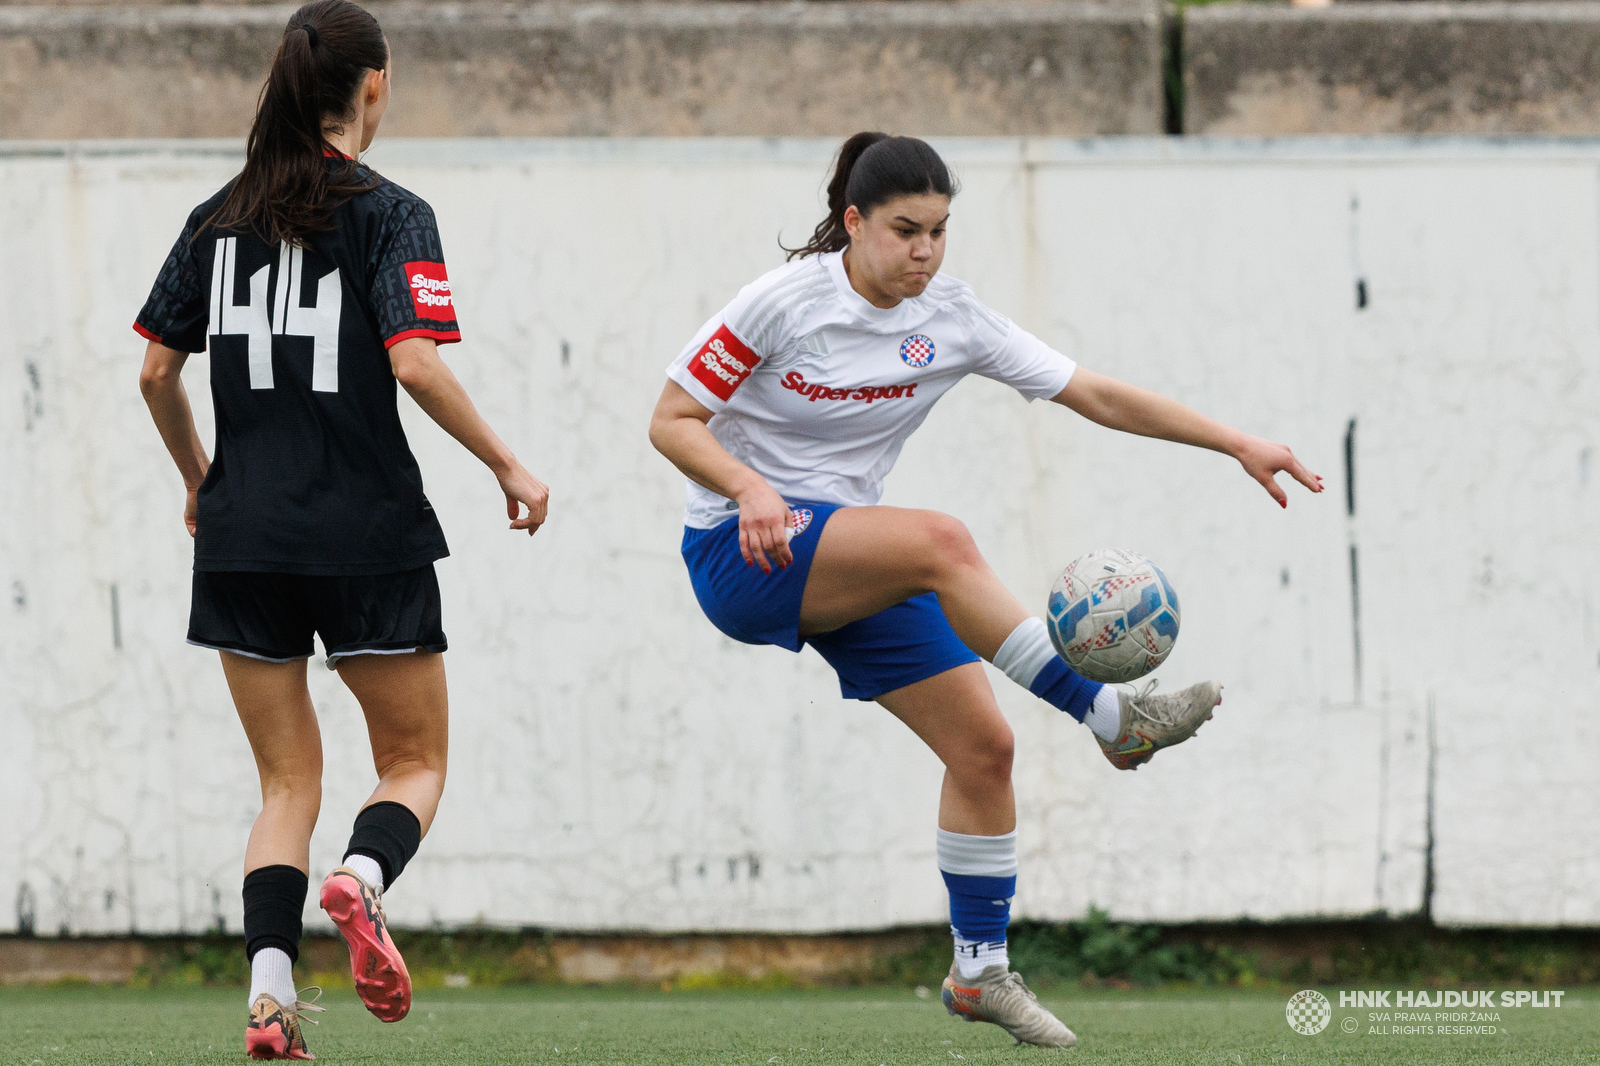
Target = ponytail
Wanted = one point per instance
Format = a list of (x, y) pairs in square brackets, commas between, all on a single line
[(872, 169), (287, 191)]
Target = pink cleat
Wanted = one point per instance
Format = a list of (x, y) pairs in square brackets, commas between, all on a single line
[(380, 973), (273, 1031)]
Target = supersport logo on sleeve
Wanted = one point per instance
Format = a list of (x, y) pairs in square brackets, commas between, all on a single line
[(723, 363), (430, 291)]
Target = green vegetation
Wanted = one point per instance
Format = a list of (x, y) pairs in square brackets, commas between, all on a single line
[(1101, 950), (212, 960), (1092, 952), (1096, 951), (78, 1026), (1413, 953)]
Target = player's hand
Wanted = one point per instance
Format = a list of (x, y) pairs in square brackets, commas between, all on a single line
[(1262, 459), (522, 488), (764, 524), (191, 510)]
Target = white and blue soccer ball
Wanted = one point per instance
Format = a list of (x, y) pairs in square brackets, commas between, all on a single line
[(1113, 615)]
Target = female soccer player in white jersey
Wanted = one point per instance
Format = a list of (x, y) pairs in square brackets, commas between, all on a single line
[(317, 285), (787, 410)]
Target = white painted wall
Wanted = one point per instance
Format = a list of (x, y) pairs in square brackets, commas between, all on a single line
[(617, 763)]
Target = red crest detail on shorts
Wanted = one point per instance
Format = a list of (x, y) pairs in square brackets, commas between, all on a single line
[(430, 291), (722, 364)]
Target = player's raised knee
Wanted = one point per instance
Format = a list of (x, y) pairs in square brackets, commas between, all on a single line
[(949, 544)]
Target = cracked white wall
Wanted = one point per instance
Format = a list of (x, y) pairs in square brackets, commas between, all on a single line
[(617, 763)]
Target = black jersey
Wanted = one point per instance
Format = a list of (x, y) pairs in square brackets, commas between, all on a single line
[(312, 473)]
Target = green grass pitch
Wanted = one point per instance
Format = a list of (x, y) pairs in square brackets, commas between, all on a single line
[(70, 1026)]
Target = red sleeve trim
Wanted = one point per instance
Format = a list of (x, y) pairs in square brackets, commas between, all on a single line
[(146, 334), (443, 336)]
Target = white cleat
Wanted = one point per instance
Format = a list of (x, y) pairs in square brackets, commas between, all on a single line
[(1151, 722), (999, 996)]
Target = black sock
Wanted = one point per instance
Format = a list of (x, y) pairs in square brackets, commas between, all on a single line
[(274, 899), (388, 834)]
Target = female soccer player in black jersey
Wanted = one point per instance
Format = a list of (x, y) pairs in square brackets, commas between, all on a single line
[(787, 410), (317, 285)]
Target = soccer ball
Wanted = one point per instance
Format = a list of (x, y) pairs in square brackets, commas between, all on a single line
[(1113, 615)]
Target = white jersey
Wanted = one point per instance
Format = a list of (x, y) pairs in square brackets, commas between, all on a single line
[(817, 390)]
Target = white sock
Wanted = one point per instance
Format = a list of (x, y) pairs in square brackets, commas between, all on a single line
[(1025, 652), (272, 972), (1105, 716), (975, 956), (975, 856), (368, 868)]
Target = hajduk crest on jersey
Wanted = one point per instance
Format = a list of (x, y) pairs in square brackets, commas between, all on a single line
[(917, 351)]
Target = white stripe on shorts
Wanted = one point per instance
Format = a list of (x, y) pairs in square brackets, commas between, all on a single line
[(333, 660)]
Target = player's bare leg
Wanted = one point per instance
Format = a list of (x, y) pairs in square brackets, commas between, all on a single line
[(870, 558), (407, 710), (955, 714), (275, 709)]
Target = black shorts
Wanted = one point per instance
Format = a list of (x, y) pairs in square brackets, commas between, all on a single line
[(273, 616)]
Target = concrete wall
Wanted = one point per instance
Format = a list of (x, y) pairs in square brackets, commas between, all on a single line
[(492, 69), (978, 67), (619, 764), (1405, 67)]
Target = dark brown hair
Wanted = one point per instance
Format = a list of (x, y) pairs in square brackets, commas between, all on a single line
[(287, 191), (872, 169)]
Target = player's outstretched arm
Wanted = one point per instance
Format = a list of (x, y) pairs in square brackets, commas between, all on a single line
[(1118, 405), (161, 383), (678, 430), (417, 366)]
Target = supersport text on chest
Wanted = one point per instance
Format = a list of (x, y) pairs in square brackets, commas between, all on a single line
[(796, 382)]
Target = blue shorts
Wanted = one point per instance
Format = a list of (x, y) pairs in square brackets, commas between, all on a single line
[(906, 643)]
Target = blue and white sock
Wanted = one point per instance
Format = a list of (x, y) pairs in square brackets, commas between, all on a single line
[(1028, 658), (981, 874)]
